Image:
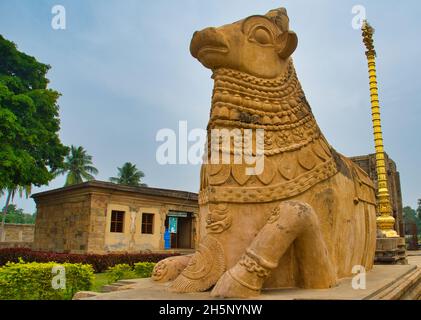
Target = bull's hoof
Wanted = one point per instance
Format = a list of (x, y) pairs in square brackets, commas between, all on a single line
[(170, 268), (203, 270), (228, 287)]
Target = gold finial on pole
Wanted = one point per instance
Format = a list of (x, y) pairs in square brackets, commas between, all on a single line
[(385, 220)]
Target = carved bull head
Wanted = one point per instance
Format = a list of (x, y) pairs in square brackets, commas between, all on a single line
[(258, 45)]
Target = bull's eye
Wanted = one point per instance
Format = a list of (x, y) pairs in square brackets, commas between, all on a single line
[(262, 36)]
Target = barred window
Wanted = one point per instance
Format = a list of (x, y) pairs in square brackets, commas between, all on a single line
[(117, 221), (147, 223)]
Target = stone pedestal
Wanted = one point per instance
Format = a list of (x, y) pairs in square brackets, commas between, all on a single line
[(384, 282), (390, 251)]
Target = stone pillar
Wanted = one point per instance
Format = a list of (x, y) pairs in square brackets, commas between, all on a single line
[(132, 242), (163, 211)]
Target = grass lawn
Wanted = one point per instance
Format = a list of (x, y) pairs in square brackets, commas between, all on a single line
[(100, 280)]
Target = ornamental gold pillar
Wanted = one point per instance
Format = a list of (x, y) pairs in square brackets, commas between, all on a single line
[(385, 220)]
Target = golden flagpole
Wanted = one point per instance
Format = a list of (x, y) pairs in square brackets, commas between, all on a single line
[(385, 220)]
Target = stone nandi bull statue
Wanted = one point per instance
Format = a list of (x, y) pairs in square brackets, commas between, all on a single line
[(309, 217)]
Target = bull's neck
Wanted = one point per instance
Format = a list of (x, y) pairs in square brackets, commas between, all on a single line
[(276, 105)]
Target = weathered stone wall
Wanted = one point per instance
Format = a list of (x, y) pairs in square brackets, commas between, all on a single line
[(62, 224), (14, 244), (18, 233), (97, 223)]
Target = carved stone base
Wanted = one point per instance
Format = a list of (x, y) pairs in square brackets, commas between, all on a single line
[(390, 251)]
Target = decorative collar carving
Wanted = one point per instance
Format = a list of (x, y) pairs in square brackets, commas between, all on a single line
[(297, 155)]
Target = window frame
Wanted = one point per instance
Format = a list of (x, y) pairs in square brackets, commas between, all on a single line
[(116, 221), (147, 224)]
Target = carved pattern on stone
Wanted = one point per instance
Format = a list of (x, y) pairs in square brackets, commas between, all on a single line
[(252, 266), (204, 268), (287, 164), (219, 219), (306, 159), (319, 150), (169, 269), (268, 174), (239, 174), (276, 212), (287, 167), (270, 193), (222, 173), (278, 141), (277, 105), (160, 270)]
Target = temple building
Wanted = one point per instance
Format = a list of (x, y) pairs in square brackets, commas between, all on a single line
[(102, 217), (368, 164)]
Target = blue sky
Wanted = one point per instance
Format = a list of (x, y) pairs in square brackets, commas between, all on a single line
[(125, 72)]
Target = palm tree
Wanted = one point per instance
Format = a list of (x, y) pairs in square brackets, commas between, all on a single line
[(11, 192), (129, 175), (78, 166)]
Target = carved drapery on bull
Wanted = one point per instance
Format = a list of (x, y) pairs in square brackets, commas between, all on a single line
[(309, 216)]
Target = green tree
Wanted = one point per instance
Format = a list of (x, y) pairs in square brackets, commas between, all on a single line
[(10, 196), (419, 209), (410, 215), (78, 166), (15, 215), (129, 175), (30, 148)]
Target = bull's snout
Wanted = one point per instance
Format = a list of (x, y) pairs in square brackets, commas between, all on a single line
[(208, 39)]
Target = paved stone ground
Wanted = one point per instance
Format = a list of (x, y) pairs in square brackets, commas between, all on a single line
[(414, 253), (379, 278), (415, 259)]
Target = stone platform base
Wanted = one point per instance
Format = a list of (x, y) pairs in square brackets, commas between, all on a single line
[(390, 251), (384, 282)]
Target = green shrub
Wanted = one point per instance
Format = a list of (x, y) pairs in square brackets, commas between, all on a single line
[(144, 269), (34, 281), (120, 271), (125, 271)]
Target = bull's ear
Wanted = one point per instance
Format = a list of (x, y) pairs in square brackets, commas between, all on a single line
[(288, 44)]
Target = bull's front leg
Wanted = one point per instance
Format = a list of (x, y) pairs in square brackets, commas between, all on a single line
[(291, 222)]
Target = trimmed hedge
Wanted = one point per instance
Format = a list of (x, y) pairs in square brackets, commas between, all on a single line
[(119, 272), (99, 262), (36, 281), (125, 271), (144, 269)]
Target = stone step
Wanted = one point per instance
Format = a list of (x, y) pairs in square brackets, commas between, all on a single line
[(125, 282), (111, 287), (407, 287), (108, 288), (116, 286)]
